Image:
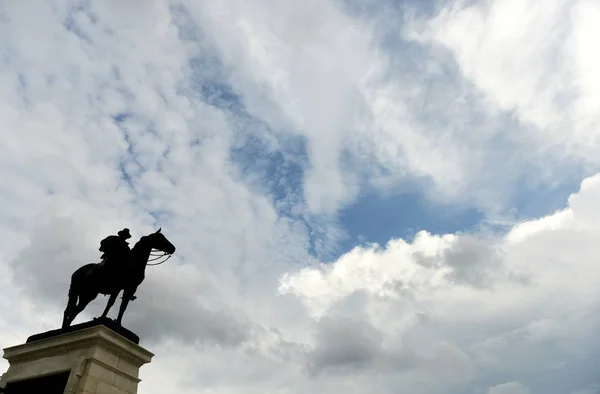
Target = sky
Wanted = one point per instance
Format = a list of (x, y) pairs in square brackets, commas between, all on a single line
[(365, 196)]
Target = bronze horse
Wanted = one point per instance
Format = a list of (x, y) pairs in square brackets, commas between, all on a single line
[(89, 281)]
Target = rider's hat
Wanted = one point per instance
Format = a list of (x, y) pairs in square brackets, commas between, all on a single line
[(124, 233)]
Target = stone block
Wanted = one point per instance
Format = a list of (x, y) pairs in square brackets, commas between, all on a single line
[(126, 383), (128, 367), (96, 359), (104, 355), (101, 372), (88, 383), (104, 388)]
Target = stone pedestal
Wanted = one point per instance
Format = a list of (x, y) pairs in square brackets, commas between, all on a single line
[(89, 359)]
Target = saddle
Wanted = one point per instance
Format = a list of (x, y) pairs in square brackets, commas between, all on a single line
[(108, 274)]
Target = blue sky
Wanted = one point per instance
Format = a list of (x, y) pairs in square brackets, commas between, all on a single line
[(364, 196), (275, 161)]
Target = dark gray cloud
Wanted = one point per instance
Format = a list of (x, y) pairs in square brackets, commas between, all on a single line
[(181, 316), (473, 259), (345, 344)]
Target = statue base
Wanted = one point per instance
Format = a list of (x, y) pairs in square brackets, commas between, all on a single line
[(106, 322), (96, 357)]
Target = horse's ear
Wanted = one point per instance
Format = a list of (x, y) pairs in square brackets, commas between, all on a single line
[(158, 231)]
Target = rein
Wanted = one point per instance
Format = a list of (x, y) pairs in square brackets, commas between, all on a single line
[(158, 256)]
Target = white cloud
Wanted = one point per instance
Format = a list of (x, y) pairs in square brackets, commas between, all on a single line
[(532, 59), (298, 66), (505, 304)]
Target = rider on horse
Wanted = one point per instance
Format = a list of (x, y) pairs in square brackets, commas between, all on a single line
[(115, 249)]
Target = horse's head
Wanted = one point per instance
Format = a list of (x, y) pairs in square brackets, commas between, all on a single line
[(158, 241)]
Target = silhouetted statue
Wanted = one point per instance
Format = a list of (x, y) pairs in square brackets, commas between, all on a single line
[(121, 269)]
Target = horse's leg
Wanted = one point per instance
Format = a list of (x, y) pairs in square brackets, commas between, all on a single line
[(127, 296), (110, 303), (79, 290), (84, 300), (71, 304)]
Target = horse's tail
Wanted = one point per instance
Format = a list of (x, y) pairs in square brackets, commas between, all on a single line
[(72, 299), (71, 302), (71, 293), (74, 276)]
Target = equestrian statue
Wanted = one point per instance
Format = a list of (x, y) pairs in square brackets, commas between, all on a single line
[(121, 268)]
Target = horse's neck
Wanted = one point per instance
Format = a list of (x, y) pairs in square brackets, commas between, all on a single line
[(140, 254)]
